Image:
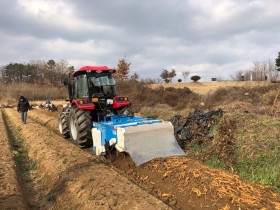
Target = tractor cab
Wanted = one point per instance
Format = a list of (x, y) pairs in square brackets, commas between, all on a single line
[(92, 84), (93, 88), (101, 85)]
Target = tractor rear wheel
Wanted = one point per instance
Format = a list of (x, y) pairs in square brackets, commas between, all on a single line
[(80, 127), (63, 125)]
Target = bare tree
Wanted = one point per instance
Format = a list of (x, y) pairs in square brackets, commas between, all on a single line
[(241, 75), (135, 76), (40, 69), (61, 69), (167, 75), (185, 74), (273, 74), (258, 71)]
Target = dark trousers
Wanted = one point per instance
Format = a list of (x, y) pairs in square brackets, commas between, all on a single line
[(23, 116)]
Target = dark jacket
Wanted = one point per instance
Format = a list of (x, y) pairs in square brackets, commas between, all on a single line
[(23, 105)]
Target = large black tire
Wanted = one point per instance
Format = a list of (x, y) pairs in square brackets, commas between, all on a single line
[(63, 125), (80, 125)]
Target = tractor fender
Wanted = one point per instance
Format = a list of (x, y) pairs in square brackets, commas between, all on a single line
[(83, 106)]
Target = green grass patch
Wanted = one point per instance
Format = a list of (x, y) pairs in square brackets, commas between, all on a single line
[(197, 148), (258, 149), (264, 169), (215, 162)]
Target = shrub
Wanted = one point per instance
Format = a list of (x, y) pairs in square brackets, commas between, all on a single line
[(195, 78), (141, 95)]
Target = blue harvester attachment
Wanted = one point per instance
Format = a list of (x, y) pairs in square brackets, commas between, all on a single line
[(143, 138)]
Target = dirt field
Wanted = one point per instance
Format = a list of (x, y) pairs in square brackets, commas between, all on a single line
[(71, 178), (209, 87), (66, 177)]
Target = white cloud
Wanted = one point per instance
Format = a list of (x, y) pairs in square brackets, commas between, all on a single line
[(209, 37), (59, 13)]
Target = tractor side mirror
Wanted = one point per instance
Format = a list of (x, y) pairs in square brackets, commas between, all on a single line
[(66, 82)]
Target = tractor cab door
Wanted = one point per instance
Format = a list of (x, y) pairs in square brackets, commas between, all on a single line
[(81, 87)]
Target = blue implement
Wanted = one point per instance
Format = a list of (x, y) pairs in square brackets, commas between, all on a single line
[(143, 138)]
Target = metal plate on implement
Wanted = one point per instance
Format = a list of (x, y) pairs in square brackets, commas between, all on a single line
[(149, 141)]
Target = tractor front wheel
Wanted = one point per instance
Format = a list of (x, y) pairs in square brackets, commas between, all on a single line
[(80, 127), (63, 125)]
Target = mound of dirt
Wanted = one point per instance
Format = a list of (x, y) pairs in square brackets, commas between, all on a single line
[(190, 185), (7, 102)]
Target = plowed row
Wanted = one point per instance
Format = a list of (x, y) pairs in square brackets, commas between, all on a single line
[(178, 181), (11, 196), (75, 179)]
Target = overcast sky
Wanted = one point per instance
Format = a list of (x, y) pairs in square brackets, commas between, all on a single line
[(209, 38)]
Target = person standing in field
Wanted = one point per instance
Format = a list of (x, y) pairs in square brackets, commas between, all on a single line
[(23, 107)]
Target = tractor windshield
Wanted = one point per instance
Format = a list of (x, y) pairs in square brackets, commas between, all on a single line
[(104, 84), (103, 80)]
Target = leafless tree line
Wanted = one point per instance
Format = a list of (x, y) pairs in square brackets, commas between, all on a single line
[(35, 72), (258, 71)]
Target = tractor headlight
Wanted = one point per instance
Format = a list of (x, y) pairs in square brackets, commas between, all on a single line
[(121, 99), (84, 101), (94, 100), (109, 101)]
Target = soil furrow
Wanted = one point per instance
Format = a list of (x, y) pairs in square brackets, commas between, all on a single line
[(75, 179), (11, 196)]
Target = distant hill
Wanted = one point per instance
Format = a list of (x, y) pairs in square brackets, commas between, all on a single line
[(204, 88)]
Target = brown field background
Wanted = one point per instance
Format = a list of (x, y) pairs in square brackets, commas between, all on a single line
[(248, 133), (139, 93), (205, 88)]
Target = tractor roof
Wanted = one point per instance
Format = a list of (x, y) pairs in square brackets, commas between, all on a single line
[(84, 69)]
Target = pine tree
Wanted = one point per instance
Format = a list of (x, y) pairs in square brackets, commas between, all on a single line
[(122, 70)]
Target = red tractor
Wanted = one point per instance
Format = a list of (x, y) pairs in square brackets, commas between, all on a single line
[(92, 95), (99, 118)]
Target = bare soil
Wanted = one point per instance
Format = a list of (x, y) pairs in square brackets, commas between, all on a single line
[(11, 196), (180, 182), (73, 178)]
